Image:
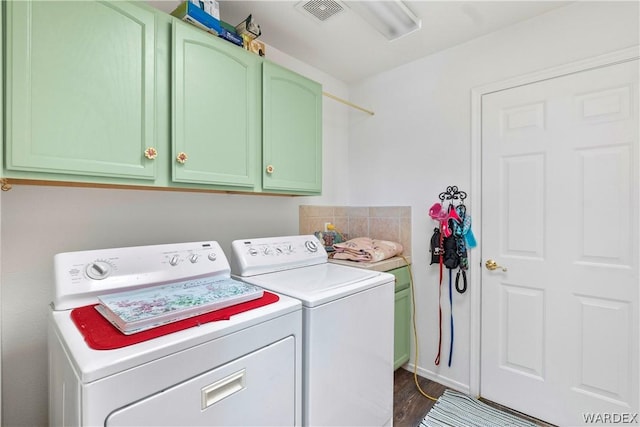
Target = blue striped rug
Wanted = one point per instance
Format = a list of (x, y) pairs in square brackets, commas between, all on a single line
[(454, 409)]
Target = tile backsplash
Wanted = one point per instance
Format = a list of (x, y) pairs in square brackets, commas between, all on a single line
[(378, 222)]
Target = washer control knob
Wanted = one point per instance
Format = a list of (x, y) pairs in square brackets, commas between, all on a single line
[(98, 270), (212, 256), (174, 260), (253, 251), (311, 246), (193, 258)]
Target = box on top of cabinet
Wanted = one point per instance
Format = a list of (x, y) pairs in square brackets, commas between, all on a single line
[(189, 12), (212, 7)]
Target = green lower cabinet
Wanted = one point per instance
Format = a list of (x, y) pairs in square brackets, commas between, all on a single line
[(402, 316), (291, 132), (80, 91)]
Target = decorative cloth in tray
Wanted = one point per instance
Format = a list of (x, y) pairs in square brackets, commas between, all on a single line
[(366, 249)]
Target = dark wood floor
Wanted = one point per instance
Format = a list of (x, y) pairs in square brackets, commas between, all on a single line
[(410, 406)]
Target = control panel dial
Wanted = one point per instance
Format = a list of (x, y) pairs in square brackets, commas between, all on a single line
[(311, 246), (98, 269)]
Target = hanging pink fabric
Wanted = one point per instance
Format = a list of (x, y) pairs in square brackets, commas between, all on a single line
[(436, 212)]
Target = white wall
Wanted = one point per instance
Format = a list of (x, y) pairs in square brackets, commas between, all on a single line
[(418, 142), (38, 222), (1, 395)]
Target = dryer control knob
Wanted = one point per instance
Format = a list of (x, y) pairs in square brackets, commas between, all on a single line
[(212, 256), (98, 270), (193, 258), (311, 246), (174, 260)]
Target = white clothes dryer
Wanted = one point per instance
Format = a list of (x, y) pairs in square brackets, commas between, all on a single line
[(242, 371), (348, 316)]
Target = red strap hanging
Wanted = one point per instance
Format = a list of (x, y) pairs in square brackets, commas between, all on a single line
[(440, 263)]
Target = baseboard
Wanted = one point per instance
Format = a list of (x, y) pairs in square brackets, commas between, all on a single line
[(433, 376)]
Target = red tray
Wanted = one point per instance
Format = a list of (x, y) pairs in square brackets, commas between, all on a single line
[(100, 334)]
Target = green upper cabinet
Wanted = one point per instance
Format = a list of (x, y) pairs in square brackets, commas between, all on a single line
[(291, 132), (92, 87), (80, 92), (216, 110)]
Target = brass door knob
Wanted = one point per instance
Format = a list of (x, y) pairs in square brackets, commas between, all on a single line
[(492, 265)]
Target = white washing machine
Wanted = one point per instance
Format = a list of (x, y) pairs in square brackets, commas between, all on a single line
[(347, 327), (242, 371)]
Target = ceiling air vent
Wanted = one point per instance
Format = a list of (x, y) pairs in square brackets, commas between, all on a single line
[(321, 9)]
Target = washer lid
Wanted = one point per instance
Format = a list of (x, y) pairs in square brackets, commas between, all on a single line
[(318, 284)]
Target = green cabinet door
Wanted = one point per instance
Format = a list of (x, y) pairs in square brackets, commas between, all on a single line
[(291, 131), (402, 320), (216, 110), (80, 88), (401, 343)]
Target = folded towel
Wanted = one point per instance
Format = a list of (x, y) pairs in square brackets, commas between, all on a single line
[(366, 249)]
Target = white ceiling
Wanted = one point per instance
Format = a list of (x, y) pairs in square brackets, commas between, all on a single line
[(347, 48)]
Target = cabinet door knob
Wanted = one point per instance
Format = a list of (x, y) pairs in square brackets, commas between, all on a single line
[(151, 153), (4, 184), (182, 157), (269, 169)]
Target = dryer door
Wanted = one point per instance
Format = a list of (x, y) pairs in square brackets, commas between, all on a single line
[(256, 389)]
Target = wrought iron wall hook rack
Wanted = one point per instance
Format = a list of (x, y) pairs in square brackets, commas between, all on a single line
[(452, 193)]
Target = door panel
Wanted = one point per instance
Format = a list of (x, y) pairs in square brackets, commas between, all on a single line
[(560, 213), (523, 314), (605, 334), (523, 210), (605, 171)]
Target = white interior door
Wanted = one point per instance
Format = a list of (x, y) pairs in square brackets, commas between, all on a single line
[(559, 333)]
